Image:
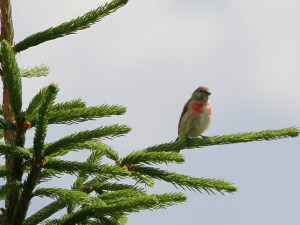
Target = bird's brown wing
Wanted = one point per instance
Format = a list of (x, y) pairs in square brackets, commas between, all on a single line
[(185, 108)]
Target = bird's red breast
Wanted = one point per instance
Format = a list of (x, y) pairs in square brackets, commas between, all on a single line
[(198, 108), (208, 108)]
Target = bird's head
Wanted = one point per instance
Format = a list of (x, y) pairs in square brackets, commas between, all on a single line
[(201, 94)]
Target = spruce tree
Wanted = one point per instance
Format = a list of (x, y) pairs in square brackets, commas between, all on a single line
[(101, 193)]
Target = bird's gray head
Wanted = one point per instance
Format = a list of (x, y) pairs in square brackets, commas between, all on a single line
[(201, 94)]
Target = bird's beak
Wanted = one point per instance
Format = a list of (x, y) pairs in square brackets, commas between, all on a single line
[(208, 93)]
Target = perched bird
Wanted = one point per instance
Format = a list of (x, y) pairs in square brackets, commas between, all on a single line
[(196, 115)]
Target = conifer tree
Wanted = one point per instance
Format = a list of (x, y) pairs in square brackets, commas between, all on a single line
[(100, 194)]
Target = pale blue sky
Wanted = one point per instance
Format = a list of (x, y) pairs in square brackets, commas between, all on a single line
[(150, 56)]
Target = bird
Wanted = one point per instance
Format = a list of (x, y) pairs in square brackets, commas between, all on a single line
[(196, 115)]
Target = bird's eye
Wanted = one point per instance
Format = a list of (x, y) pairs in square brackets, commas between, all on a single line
[(201, 90)]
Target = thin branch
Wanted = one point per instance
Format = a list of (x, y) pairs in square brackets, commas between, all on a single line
[(152, 158), (45, 212), (72, 167), (14, 151), (266, 135), (41, 126), (37, 71), (73, 139), (12, 78), (185, 181), (75, 115), (70, 27), (134, 204)]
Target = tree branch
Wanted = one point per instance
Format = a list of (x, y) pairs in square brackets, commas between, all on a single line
[(266, 135), (70, 27)]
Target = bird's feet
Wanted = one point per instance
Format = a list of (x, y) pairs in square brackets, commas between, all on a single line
[(205, 137), (188, 139)]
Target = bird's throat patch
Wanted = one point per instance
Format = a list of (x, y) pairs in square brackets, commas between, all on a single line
[(197, 108)]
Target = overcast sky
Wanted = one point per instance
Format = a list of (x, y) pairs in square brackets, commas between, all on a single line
[(150, 56)]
